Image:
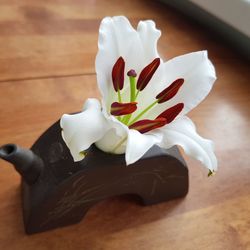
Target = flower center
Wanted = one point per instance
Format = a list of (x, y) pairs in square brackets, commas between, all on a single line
[(124, 111)]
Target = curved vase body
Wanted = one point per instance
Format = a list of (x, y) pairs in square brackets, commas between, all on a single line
[(65, 189)]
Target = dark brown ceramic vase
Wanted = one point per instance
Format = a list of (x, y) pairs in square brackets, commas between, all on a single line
[(57, 191)]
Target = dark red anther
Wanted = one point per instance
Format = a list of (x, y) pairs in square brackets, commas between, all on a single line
[(144, 126), (132, 73), (170, 91), (171, 113), (118, 108), (147, 73), (118, 74)]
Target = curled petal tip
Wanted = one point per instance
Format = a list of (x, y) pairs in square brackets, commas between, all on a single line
[(147, 73), (118, 74), (170, 91), (144, 126), (211, 173), (118, 108), (171, 113)]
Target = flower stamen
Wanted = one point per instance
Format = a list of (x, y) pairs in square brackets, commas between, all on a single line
[(144, 126), (146, 74), (171, 113), (118, 76), (144, 111), (119, 109), (169, 92)]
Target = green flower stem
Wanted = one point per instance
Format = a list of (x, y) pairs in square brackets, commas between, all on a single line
[(143, 112)]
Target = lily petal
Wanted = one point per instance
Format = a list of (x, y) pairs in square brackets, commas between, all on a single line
[(116, 135), (81, 130), (182, 132), (198, 74), (118, 38), (149, 36), (138, 144)]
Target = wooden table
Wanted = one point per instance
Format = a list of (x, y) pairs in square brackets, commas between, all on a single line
[(47, 53)]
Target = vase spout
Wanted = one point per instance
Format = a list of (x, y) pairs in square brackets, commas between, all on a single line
[(26, 163)]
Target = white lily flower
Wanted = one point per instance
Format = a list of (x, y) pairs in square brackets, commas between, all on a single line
[(139, 112)]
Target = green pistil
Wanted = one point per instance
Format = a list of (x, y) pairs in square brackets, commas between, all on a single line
[(126, 118), (133, 96), (143, 112), (132, 88)]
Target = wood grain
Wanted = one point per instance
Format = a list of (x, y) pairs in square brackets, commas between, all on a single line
[(47, 53), (45, 38)]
